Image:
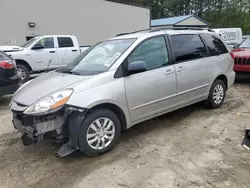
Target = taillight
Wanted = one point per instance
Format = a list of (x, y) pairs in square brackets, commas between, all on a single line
[(232, 55), (6, 64)]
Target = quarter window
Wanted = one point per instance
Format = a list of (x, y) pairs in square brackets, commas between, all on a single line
[(46, 42), (188, 47), (215, 45), (65, 42), (153, 52)]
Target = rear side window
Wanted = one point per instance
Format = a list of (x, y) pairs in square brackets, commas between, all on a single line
[(64, 42), (215, 45), (188, 47)]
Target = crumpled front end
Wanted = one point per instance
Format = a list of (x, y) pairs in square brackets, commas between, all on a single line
[(36, 128), (56, 126)]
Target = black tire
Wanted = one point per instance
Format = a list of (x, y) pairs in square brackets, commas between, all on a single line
[(26, 71), (88, 120), (210, 102)]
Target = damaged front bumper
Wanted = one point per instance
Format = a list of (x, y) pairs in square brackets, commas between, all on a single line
[(36, 128), (59, 126)]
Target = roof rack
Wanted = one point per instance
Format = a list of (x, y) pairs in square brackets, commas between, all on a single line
[(167, 28), (120, 34), (181, 28)]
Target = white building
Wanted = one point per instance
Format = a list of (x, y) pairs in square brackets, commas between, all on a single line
[(89, 20)]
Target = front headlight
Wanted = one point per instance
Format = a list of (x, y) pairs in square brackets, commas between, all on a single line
[(50, 102)]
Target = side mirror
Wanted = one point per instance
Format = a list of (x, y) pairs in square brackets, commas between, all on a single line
[(37, 47), (136, 67)]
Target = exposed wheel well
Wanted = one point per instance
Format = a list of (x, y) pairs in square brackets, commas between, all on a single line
[(22, 62), (223, 78), (117, 110)]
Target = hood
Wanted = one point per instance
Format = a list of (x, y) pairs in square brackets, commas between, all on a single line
[(46, 84), (10, 48), (241, 52)]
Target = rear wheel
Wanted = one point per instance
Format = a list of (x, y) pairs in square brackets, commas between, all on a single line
[(217, 94), (99, 132), (23, 72)]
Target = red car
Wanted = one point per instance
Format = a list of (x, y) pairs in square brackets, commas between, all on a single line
[(241, 57)]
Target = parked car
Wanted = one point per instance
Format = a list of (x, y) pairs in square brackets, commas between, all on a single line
[(119, 83), (241, 56), (9, 80), (44, 52)]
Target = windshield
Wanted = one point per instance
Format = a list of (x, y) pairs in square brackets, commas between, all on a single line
[(29, 42), (99, 58), (245, 43)]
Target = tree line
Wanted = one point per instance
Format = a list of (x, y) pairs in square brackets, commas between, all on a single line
[(218, 13)]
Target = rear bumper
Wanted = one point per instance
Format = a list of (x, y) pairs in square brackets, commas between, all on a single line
[(9, 89)]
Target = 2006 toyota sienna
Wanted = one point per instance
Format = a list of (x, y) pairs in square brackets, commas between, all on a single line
[(120, 82)]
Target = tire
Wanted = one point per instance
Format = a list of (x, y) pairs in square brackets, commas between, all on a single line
[(24, 72), (87, 128), (218, 87)]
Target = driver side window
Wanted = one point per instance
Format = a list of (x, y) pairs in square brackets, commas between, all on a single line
[(46, 42), (153, 52)]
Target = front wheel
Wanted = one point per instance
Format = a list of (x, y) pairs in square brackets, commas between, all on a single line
[(99, 132), (217, 94)]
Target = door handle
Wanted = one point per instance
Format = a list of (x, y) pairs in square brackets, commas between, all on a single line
[(169, 71), (52, 52), (74, 50), (180, 69)]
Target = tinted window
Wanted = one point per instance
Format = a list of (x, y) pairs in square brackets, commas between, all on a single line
[(153, 52), (187, 47), (215, 45), (65, 42), (46, 42)]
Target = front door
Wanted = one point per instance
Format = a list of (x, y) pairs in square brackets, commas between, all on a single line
[(152, 92), (46, 57), (193, 68)]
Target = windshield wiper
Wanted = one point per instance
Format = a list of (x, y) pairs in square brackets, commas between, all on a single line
[(68, 71), (75, 73), (63, 70)]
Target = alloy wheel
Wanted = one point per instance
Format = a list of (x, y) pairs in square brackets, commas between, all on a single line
[(100, 133), (218, 94)]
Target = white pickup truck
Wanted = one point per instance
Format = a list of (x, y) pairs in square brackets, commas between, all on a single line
[(43, 53)]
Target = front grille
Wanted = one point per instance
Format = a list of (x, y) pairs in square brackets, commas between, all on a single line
[(21, 105), (241, 61), (248, 61)]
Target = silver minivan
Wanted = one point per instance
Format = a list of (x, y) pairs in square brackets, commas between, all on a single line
[(120, 82)]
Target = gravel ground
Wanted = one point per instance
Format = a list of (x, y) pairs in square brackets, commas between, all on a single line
[(192, 147)]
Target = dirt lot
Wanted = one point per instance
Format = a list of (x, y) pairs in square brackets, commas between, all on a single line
[(193, 147)]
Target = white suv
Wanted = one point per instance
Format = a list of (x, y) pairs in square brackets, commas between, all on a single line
[(121, 82)]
